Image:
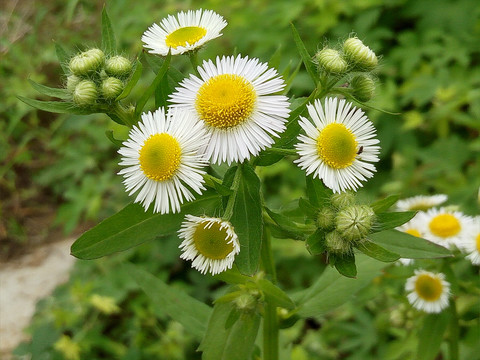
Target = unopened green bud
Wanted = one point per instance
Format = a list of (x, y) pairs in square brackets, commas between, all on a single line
[(72, 82), (336, 244), (245, 302), (342, 200), (87, 62), (359, 54), (354, 222), (85, 93), (118, 66), (363, 87), (331, 61), (111, 87), (326, 218)]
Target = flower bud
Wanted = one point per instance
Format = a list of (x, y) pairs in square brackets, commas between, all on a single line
[(87, 62), (342, 200), (363, 87), (331, 61), (359, 54), (354, 222), (336, 244), (111, 87), (326, 218), (72, 82), (85, 93), (245, 302), (118, 66)]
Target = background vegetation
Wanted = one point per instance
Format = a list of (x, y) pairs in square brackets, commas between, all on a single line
[(58, 173)]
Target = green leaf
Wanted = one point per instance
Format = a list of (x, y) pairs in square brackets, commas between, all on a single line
[(274, 295), (287, 225), (59, 107), (235, 342), (377, 252), (232, 276), (333, 289), (408, 246), (390, 220), (108, 37), (116, 142), (315, 243), (132, 82), (307, 208), (133, 226), (317, 192), (53, 92), (180, 306), (151, 89), (345, 265), (306, 58), (63, 58), (247, 220), (431, 335), (384, 204)]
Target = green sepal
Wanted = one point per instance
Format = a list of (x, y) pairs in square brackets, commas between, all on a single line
[(108, 37), (384, 204), (345, 264), (53, 92), (315, 243), (377, 252)]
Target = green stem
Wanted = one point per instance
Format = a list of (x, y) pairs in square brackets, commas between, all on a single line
[(192, 55), (231, 200), (270, 332), (454, 332), (281, 151), (267, 256), (122, 113)]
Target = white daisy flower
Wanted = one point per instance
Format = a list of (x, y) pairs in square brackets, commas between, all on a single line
[(188, 31), (211, 243), (339, 147), (445, 227), (162, 160), (421, 202), (471, 244), (413, 228), (428, 291), (234, 99)]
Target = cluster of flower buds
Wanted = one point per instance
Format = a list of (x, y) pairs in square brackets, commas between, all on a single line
[(355, 59), (95, 78)]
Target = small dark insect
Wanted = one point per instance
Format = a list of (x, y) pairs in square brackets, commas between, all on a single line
[(360, 150)]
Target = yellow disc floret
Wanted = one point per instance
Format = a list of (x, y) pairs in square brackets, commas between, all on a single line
[(212, 241), (225, 101), (337, 146), (477, 242), (160, 157), (445, 225), (185, 35), (428, 287)]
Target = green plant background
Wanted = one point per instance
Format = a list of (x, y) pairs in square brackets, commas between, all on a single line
[(58, 172)]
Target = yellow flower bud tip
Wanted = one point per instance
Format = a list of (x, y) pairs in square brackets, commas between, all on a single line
[(336, 244), (354, 222), (331, 61), (326, 218), (359, 54), (118, 66), (111, 87), (72, 82), (363, 87), (87, 62), (85, 93), (343, 199)]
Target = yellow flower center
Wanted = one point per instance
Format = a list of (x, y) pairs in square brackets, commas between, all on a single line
[(226, 100), (184, 35), (445, 225), (211, 241), (429, 288), (413, 232), (336, 146), (160, 157), (477, 243)]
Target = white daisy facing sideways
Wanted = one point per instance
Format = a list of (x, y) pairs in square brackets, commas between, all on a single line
[(237, 100), (210, 243), (421, 202), (428, 291), (185, 32), (162, 160), (339, 147)]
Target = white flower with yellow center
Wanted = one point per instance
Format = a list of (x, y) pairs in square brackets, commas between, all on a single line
[(445, 227), (188, 31), (471, 244), (421, 202), (211, 243), (235, 100), (413, 228), (428, 291), (162, 160), (339, 146)]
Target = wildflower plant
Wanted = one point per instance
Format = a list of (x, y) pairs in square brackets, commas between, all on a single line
[(192, 165)]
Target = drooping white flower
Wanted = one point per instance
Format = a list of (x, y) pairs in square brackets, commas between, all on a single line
[(428, 291)]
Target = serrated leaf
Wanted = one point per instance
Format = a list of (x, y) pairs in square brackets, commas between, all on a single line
[(180, 306), (59, 107), (384, 204), (306, 57), (53, 92), (132, 82), (345, 265), (133, 226), (315, 243), (63, 58), (247, 220), (408, 246), (431, 335), (377, 252), (108, 37), (274, 295), (390, 220)]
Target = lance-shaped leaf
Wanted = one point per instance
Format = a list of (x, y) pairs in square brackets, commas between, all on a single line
[(247, 220), (431, 335), (108, 37), (292, 229), (53, 92), (63, 58), (274, 295), (384, 204), (59, 107), (133, 226), (345, 264), (390, 220), (306, 58), (180, 306), (316, 242), (317, 192), (132, 81), (377, 252)]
